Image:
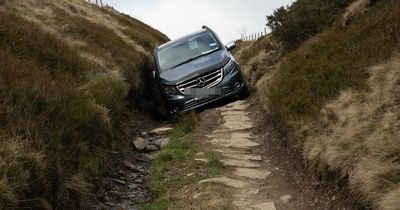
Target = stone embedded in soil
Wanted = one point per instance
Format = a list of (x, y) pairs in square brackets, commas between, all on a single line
[(147, 157), (238, 140), (240, 163), (265, 206), (144, 134), (226, 181), (243, 157), (161, 131), (252, 173), (140, 143), (200, 154), (120, 207), (204, 160), (198, 195), (286, 198), (161, 142), (133, 168), (151, 147), (119, 181), (133, 186)]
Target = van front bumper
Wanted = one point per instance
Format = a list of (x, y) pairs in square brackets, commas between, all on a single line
[(232, 84)]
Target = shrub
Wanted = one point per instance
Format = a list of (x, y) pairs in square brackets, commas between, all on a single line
[(296, 23)]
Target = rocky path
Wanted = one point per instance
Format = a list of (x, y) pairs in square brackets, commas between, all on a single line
[(259, 177), (256, 175), (233, 140)]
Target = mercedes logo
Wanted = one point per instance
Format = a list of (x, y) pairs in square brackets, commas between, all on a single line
[(201, 82)]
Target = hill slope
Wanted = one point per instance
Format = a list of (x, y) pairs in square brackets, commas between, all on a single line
[(69, 71), (336, 98)]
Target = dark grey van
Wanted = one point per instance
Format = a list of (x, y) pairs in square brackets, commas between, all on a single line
[(196, 70)]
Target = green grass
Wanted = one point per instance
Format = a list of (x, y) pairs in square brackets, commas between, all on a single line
[(180, 148), (176, 160), (214, 164), (337, 60)]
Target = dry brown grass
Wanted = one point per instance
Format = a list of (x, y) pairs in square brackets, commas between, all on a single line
[(359, 137), (354, 9), (258, 58), (338, 110), (68, 74)]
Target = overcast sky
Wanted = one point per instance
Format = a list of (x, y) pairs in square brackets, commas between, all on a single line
[(176, 18)]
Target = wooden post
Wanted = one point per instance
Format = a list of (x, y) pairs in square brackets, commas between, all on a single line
[(101, 2)]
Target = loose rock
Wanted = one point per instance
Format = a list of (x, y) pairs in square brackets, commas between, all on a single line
[(119, 181), (151, 147), (286, 198), (161, 142), (144, 134), (160, 131), (140, 143), (133, 186)]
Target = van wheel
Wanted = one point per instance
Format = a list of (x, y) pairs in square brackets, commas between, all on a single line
[(244, 93)]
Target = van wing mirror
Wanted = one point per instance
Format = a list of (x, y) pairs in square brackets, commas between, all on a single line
[(230, 46)]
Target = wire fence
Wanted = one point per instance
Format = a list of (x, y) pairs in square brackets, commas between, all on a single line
[(252, 37), (255, 36)]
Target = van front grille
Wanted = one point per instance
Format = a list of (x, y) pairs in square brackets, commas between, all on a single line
[(209, 80)]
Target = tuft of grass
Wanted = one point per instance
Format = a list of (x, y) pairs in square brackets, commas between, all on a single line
[(180, 148), (214, 164), (175, 172)]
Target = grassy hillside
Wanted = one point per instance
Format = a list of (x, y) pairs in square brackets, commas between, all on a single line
[(337, 96), (258, 58), (69, 70)]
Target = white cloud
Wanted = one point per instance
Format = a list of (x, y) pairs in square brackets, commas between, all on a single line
[(176, 18)]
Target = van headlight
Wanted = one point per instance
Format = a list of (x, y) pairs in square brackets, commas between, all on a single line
[(170, 90), (229, 66)]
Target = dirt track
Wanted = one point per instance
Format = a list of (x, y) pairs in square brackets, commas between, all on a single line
[(258, 174)]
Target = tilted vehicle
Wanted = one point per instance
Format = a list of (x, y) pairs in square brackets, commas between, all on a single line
[(197, 70)]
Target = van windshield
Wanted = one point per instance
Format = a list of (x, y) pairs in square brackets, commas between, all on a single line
[(187, 50)]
